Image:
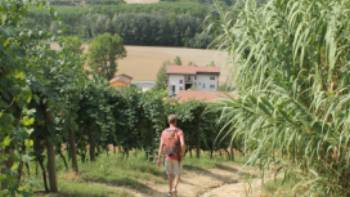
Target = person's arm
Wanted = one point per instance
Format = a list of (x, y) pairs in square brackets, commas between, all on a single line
[(160, 151)]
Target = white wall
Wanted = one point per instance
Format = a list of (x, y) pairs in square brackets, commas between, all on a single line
[(200, 82), (144, 85), (204, 82), (174, 80)]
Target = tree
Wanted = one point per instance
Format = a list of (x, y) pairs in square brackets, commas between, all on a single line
[(177, 61), (95, 119), (162, 78), (72, 55), (104, 51)]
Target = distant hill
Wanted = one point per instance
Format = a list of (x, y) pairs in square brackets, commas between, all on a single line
[(85, 2), (141, 1)]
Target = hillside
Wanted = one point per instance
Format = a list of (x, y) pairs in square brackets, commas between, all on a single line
[(142, 1)]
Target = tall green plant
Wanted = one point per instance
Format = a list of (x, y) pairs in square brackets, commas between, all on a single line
[(15, 95), (103, 53), (293, 66)]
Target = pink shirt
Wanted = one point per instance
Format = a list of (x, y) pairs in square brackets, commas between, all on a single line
[(180, 135)]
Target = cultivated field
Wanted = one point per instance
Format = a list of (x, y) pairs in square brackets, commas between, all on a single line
[(143, 63)]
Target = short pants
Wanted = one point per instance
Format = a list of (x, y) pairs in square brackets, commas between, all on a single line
[(173, 167)]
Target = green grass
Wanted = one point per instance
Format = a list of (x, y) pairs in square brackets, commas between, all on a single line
[(81, 189), (117, 171), (282, 187), (110, 174)]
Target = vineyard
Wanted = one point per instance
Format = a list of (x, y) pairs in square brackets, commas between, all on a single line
[(62, 127), (52, 109)]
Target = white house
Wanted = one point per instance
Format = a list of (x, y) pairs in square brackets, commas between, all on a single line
[(144, 85), (192, 77)]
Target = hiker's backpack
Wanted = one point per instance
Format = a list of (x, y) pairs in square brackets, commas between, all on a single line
[(171, 140)]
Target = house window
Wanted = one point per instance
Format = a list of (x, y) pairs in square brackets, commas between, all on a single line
[(181, 88), (212, 77), (181, 81), (195, 77), (212, 86), (188, 78), (203, 85)]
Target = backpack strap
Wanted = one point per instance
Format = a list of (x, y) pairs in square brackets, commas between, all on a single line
[(176, 130)]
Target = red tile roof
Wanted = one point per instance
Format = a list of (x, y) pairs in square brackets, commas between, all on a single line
[(125, 75), (119, 84), (121, 80), (188, 95), (176, 69)]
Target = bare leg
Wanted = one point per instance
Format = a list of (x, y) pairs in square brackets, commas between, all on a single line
[(170, 181), (177, 177), (176, 182)]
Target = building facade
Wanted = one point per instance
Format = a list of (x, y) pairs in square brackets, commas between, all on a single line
[(144, 85), (121, 80), (192, 78)]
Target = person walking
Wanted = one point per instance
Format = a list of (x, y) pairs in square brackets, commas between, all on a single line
[(172, 147)]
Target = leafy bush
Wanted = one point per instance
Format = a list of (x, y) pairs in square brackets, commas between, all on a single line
[(15, 95)]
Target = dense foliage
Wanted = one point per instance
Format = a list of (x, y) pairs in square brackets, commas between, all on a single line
[(293, 64), (15, 95), (164, 24), (104, 51), (52, 108), (84, 2)]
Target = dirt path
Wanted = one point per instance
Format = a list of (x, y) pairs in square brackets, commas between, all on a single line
[(222, 181)]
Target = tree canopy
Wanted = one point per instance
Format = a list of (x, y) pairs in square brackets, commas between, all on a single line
[(104, 51)]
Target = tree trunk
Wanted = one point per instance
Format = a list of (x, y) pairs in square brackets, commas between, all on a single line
[(198, 152), (146, 154), (28, 168), (227, 154), (19, 173), (232, 153), (36, 169), (51, 168), (73, 150), (20, 167), (83, 156), (63, 159), (114, 149), (43, 170), (126, 152), (211, 153), (198, 140), (92, 150), (8, 163)]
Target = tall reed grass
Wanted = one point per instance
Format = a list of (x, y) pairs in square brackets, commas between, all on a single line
[(292, 61)]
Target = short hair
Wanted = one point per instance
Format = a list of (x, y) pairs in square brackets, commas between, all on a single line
[(172, 119)]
